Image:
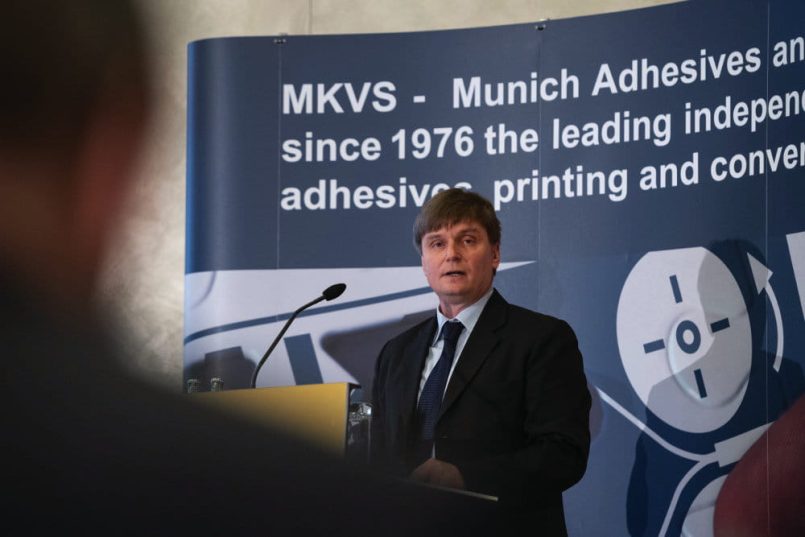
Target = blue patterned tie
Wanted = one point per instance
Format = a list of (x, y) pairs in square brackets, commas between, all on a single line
[(430, 401)]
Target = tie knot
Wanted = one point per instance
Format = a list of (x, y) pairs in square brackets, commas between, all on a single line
[(451, 330)]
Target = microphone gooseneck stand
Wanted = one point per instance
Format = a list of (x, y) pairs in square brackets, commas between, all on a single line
[(334, 291)]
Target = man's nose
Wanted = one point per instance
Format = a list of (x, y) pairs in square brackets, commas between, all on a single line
[(452, 251)]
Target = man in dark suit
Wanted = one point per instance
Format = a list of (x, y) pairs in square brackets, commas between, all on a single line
[(484, 396)]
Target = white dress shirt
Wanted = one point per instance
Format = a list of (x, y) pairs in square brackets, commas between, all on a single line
[(469, 318)]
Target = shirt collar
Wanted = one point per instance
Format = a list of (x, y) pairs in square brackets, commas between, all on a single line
[(468, 316)]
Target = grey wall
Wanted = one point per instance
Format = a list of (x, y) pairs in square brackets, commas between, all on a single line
[(142, 288)]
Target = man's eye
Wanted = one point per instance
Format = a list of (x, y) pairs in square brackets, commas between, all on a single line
[(436, 244)]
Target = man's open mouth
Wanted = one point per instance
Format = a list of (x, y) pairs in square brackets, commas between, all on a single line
[(454, 273)]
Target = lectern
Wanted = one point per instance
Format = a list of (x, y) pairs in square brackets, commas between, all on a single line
[(316, 413)]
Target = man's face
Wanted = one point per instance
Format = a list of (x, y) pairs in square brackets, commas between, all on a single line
[(458, 262)]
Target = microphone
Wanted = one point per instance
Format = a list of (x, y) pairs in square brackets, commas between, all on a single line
[(332, 292)]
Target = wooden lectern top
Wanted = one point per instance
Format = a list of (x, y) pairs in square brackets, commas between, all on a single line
[(316, 413)]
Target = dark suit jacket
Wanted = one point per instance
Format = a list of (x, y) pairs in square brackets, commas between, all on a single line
[(514, 418)]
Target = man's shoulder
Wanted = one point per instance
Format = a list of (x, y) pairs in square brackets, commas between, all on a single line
[(413, 332), (520, 312), (520, 316)]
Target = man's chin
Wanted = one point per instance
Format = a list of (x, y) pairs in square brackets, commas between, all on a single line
[(455, 296), (455, 291)]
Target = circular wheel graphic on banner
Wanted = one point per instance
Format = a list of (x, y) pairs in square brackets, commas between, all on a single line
[(684, 338)]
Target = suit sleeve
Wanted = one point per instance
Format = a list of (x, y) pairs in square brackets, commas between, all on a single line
[(555, 427), (377, 442)]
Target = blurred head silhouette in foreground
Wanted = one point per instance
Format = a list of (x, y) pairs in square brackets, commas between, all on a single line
[(87, 447), (73, 107)]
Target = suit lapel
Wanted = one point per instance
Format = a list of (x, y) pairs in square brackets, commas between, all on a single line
[(477, 349), (413, 360)]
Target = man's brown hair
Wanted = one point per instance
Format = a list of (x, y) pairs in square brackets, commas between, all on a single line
[(452, 206)]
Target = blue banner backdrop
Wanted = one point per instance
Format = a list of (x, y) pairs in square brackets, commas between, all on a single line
[(647, 167)]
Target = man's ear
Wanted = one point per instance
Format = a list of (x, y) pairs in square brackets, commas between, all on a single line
[(496, 255)]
